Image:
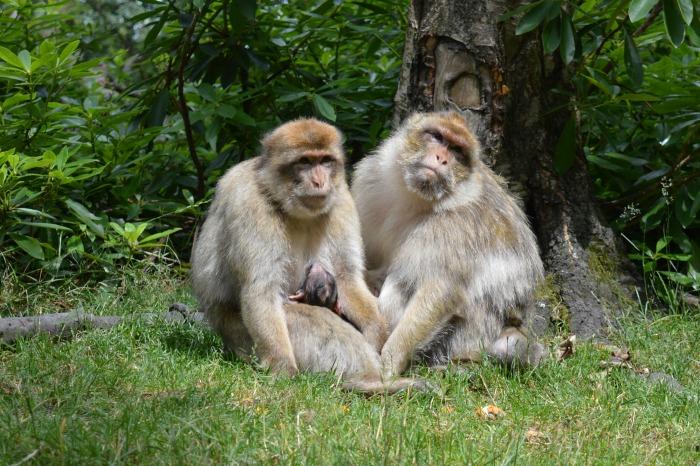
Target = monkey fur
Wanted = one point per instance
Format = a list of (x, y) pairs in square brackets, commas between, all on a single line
[(449, 247), (272, 215)]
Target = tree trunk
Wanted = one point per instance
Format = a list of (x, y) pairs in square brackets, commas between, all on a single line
[(459, 56)]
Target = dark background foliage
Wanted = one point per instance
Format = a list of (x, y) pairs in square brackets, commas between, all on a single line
[(116, 118)]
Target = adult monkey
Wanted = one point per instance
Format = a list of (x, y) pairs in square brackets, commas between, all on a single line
[(451, 250), (270, 217)]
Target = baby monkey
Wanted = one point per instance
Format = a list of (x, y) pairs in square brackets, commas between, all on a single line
[(319, 289)]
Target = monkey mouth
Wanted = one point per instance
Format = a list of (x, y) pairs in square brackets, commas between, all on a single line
[(426, 174), (315, 201), (427, 182)]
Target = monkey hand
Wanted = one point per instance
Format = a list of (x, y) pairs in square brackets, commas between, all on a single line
[(279, 365), (376, 333), (394, 359), (297, 297)]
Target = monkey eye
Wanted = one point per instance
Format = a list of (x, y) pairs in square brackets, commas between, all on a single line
[(327, 160), (457, 151), (436, 136), (304, 161)]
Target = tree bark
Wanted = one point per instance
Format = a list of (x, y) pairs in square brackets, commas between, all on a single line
[(458, 56)]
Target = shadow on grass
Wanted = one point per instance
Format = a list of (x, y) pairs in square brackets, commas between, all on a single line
[(193, 341)]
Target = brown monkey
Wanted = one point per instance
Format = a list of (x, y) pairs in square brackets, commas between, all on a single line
[(450, 247), (270, 216), (319, 289)]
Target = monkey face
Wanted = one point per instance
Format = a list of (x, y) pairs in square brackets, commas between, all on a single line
[(441, 150), (302, 167), (313, 181)]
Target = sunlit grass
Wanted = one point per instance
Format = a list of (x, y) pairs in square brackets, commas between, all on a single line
[(163, 393)]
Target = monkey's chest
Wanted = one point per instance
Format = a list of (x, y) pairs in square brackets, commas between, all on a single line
[(303, 250), (393, 232)]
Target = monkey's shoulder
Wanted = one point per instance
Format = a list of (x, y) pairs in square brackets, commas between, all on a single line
[(238, 176), (239, 189)]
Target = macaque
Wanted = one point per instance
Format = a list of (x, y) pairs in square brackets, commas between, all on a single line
[(449, 247), (319, 289), (270, 216)]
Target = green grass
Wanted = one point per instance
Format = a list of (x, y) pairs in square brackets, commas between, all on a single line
[(165, 394)]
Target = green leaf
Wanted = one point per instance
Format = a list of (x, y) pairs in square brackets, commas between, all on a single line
[(565, 151), (606, 164), (510, 13), (683, 207), (31, 246), (661, 244), (159, 108), (324, 107), (551, 36), (50, 226), (68, 50), (686, 9), (162, 234), (243, 118), (87, 217), (34, 212), (10, 58), (673, 22), (639, 9), (695, 208), (26, 60), (567, 49), (679, 236), (632, 61), (242, 12), (155, 30), (653, 175), (116, 227), (75, 245), (226, 110), (533, 18), (653, 216), (291, 97), (634, 161)]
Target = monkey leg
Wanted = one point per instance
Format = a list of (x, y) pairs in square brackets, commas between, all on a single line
[(509, 345), (227, 322), (323, 342), (512, 347), (360, 308)]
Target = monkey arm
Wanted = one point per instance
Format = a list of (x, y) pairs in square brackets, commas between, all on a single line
[(424, 314), (359, 306), (265, 320)]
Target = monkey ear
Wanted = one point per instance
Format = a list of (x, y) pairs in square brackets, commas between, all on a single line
[(268, 143)]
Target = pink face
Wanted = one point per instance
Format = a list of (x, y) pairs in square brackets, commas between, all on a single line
[(437, 158), (314, 178), (443, 158)]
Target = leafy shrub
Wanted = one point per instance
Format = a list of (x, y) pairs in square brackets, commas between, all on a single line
[(106, 156)]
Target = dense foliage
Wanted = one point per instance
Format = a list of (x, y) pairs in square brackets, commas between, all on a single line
[(635, 97), (117, 117)]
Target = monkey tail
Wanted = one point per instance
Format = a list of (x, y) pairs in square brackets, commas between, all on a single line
[(373, 387)]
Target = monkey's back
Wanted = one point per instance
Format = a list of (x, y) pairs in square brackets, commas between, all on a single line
[(234, 217)]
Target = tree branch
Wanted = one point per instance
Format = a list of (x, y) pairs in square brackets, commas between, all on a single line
[(184, 111), (66, 324)]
